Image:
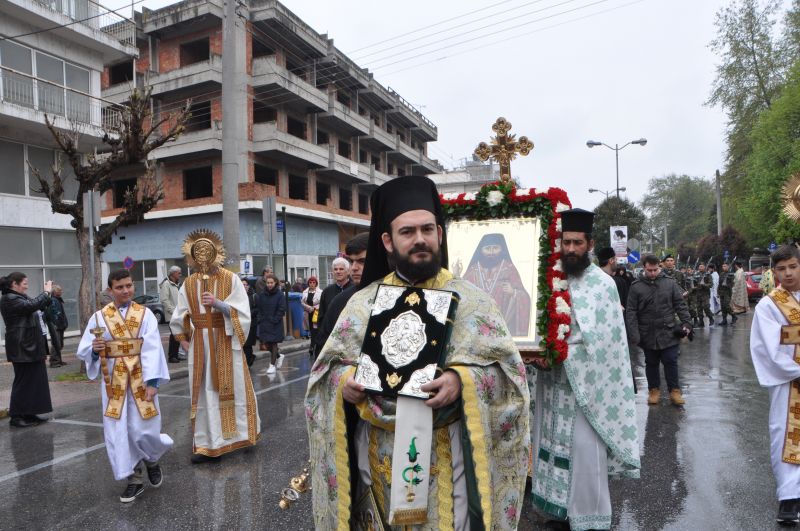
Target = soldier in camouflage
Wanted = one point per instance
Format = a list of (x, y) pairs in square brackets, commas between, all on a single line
[(725, 289), (670, 270), (701, 296)]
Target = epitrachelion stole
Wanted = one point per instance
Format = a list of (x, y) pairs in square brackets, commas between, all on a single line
[(406, 336)]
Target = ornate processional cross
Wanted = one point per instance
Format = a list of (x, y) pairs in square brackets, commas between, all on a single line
[(503, 148)]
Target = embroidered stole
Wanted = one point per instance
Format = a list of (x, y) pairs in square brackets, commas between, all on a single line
[(220, 349), (790, 335), (126, 348)]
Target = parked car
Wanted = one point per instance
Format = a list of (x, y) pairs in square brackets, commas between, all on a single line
[(154, 303), (753, 290)]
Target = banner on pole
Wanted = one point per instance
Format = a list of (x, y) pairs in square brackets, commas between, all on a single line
[(619, 240)]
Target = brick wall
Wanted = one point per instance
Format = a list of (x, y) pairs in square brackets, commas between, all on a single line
[(169, 50)]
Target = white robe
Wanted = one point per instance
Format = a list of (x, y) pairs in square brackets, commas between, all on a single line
[(131, 438), (775, 369), (208, 437), (715, 304)]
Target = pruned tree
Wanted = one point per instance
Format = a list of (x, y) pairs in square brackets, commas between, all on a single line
[(133, 134)]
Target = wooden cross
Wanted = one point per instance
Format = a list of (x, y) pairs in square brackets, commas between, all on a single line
[(794, 436), (119, 330), (117, 392), (503, 148), (139, 393)]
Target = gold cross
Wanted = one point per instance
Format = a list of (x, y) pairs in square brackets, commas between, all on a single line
[(794, 436), (503, 148), (385, 469), (139, 393), (119, 368), (137, 371), (132, 322), (795, 410), (794, 315), (780, 296), (117, 392), (126, 347), (119, 330)]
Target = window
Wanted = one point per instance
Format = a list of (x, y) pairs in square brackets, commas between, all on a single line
[(121, 188), (200, 118), (362, 111), (198, 182), (343, 98), (41, 159), (261, 49), (77, 104), (363, 204), (376, 160), (17, 88), (195, 52), (298, 187), (265, 175), (263, 113), (120, 73), (322, 138), (323, 193), (295, 127), (51, 96), (345, 198), (391, 169), (389, 128), (12, 160), (344, 149), (362, 156)]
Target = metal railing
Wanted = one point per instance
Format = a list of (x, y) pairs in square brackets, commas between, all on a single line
[(411, 108), (53, 99), (95, 16)]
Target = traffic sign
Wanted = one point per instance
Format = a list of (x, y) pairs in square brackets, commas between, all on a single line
[(279, 225), (633, 244), (634, 256), (726, 254), (773, 247), (127, 263)]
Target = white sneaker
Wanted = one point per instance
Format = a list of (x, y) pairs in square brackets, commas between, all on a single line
[(271, 369), (279, 363)]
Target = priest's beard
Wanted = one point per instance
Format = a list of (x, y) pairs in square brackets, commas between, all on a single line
[(575, 264), (490, 261), (417, 271)]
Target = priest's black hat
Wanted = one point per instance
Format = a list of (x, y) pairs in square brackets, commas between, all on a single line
[(605, 254), (577, 220), (398, 196)]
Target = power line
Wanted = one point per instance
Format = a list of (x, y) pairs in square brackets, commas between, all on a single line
[(59, 26)]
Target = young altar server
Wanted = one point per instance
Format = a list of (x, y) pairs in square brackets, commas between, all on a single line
[(130, 357), (775, 348)]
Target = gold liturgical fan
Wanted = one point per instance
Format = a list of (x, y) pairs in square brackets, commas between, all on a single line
[(503, 148), (791, 197)]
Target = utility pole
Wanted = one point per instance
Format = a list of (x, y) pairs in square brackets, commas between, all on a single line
[(234, 126), (719, 206)]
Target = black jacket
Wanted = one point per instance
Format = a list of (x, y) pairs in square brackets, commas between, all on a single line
[(651, 310), (328, 294), (332, 315), (25, 342), (271, 309)]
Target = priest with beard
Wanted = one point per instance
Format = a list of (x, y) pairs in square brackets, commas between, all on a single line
[(492, 270), (584, 426), (473, 430)]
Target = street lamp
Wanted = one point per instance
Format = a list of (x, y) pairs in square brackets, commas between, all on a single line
[(608, 193), (592, 143)]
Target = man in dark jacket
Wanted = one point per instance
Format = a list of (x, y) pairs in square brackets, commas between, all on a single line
[(653, 303), (56, 319), (341, 281)]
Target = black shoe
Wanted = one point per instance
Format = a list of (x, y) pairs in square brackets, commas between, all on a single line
[(788, 512), (155, 475), (131, 492), (200, 458), (734, 319), (21, 422), (174, 360), (35, 419)]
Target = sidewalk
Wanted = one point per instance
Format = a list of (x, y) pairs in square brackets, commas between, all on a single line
[(66, 392)]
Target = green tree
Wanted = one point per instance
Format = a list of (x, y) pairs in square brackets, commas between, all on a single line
[(682, 204), (775, 156), (615, 211)]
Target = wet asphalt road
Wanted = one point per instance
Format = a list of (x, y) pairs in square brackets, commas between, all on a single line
[(704, 466)]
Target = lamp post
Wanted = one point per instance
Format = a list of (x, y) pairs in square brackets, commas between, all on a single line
[(608, 193), (592, 143)]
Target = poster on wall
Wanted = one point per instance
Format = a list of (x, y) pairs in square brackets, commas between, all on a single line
[(619, 240)]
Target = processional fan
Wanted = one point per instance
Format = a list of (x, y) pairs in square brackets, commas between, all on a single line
[(791, 197)]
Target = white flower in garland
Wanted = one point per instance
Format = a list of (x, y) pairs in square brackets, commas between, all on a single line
[(494, 197), (563, 330), (558, 224), (450, 196), (523, 192), (557, 266), (470, 196), (561, 207), (560, 284), (557, 245), (562, 306)]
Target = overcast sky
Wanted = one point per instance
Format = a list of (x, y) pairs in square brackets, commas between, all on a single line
[(609, 70)]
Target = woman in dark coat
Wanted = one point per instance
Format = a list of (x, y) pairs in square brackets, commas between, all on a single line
[(26, 349), (271, 305)]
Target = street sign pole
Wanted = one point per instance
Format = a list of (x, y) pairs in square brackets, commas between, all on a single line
[(286, 274), (91, 219)]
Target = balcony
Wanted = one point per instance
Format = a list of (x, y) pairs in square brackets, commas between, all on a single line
[(430, 165), (274, 18), (342, 118), (411, 117), (191, 145), (25, 100), (271, 141), (344, 168), (278, 82), (82, 22), (378, 138), (205, 74), (192, 15)]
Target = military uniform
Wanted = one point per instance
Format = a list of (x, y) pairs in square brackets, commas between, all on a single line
[(725, 289), (700, 298)]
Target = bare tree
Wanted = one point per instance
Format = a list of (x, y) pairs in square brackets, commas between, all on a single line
[(132, 134)]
